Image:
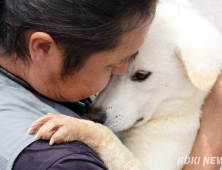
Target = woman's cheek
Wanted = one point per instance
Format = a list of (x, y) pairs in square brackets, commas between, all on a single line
[(103, 82)]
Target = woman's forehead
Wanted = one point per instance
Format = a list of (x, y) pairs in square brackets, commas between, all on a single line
[(133, 40)]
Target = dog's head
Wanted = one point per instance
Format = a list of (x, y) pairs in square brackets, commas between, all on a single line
[(171, 66)]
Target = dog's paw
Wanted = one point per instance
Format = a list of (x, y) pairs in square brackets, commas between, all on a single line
[(56, 127)]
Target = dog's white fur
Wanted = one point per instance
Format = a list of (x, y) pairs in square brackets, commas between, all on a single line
[(183, 51)]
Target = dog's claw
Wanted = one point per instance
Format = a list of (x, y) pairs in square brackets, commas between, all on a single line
[(51, 142), (55, 127), (29, 130), (37, 136)]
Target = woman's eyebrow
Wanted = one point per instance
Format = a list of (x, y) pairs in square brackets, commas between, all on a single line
[(130, 59)]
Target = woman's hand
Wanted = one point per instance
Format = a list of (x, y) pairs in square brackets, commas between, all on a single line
[(209, 140)]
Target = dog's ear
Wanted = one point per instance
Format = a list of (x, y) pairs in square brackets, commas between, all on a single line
[(200, 66)]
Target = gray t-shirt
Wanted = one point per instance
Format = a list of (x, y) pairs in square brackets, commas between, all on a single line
[(19, 108)]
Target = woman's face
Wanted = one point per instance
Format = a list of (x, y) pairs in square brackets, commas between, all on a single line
[(46, 61), (96, 73)]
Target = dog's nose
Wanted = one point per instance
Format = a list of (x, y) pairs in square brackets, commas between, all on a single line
[(97, 115)]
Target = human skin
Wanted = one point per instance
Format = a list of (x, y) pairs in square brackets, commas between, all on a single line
[(209, 139), (43, 71)]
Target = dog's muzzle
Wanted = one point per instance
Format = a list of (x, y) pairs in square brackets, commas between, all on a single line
[(96, 115)]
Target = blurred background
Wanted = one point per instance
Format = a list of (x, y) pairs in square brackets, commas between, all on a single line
[(211, 9)]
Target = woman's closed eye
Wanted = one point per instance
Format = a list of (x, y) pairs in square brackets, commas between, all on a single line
[(128, 60)]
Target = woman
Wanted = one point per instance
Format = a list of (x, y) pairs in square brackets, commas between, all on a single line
[(54, 53), (208, 145), (61, 51)]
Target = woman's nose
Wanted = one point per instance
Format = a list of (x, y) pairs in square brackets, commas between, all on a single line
[(121, 70)]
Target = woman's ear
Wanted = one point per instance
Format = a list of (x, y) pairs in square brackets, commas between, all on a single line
[(41, 47)]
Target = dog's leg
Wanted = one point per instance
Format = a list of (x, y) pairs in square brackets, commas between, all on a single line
[(60, 128)]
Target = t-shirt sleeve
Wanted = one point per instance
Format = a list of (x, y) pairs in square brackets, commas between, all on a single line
[(70, 156), (68, 163)]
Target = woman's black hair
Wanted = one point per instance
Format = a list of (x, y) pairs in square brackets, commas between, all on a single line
[(80, 27)]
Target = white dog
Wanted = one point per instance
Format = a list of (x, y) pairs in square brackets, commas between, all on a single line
[(155, 108)]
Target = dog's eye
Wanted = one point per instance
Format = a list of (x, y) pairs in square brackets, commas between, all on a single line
[(141, 75)]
